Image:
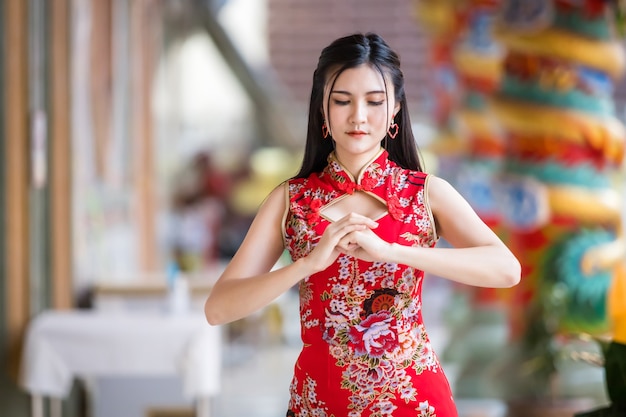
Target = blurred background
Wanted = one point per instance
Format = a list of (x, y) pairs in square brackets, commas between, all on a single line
[(138, 138)]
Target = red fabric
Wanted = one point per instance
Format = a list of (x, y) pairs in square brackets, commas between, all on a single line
[(366, 351)]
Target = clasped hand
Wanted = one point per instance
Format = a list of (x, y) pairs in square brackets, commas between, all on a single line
[(353, 235)]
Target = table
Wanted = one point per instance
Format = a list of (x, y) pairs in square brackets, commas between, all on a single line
[(62, 345)]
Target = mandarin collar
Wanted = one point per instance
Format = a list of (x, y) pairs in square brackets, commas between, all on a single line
[(370, 176)]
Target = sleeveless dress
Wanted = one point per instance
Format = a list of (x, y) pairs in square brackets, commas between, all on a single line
[(365, 349)]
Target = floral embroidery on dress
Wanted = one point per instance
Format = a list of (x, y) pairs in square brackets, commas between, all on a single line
[(426, 410), (366, 352), (311, 405), (378, 346)]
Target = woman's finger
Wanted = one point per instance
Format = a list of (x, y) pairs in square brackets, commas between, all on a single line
[(347, 243), (355, 218)]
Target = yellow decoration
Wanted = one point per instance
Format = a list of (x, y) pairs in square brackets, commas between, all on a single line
[(479, 66), (479, 122), (438, 17), (617, 305), (603, 257), (587, 206), (529, 119), (447, 144), (606, 56)]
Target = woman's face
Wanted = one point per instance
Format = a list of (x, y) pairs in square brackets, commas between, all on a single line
[(359, 110)]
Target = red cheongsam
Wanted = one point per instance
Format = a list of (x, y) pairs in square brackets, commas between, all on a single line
[(365, 349)]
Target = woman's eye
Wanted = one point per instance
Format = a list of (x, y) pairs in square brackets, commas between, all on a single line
[(376, 103), (341, 102)]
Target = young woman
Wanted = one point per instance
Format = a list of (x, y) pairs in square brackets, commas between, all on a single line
[(360, 221)]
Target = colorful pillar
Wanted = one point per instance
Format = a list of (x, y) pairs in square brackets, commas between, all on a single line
[(564, 147)]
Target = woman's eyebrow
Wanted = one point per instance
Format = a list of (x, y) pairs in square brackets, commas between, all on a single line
[(349, 93)]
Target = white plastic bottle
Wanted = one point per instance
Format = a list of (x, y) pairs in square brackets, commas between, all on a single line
[(179, 297)]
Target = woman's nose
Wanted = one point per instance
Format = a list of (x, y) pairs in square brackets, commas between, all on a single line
[(359, 114)]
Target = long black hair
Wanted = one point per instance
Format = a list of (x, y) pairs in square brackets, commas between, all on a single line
[(350, 52)]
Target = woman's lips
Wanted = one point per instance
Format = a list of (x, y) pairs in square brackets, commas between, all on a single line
[(357, 133)]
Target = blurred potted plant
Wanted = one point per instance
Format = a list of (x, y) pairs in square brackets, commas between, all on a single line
[(615, 353)]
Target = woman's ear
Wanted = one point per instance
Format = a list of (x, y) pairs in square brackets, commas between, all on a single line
[(397, 108)]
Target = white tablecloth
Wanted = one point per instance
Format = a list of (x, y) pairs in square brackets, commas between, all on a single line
[(63, 345)]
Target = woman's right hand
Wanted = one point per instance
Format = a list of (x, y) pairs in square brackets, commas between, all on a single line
[(331, 244)]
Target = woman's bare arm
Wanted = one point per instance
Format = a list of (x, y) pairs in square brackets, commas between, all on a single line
[(478, 257), (248, 283)]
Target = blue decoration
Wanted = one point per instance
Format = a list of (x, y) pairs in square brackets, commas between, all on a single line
[(523, 203)]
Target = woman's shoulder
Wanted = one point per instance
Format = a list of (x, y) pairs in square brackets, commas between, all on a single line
[(276, 197), (436, 180), (441, 194), (436, 185)]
